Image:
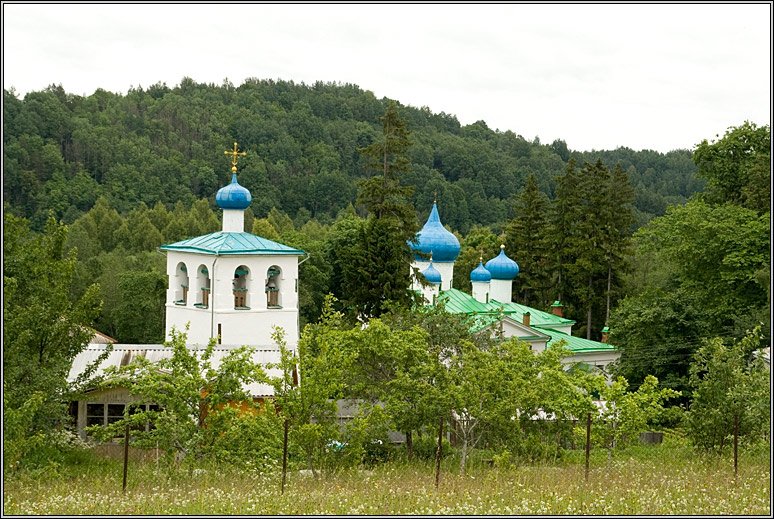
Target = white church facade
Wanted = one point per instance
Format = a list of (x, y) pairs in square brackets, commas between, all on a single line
[(230, 286)]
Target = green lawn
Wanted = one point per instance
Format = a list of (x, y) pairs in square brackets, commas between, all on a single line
[(671, 480)]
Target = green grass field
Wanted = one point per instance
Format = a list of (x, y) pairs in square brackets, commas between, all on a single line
[(657, 480)]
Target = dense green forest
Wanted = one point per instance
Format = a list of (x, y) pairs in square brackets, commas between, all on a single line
[(670, 251), (61, 152), (131, 172)]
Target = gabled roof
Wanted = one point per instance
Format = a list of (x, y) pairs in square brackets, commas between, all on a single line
[(458, 302), (232, 243)]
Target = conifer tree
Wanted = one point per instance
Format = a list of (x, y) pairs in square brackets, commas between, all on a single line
[(580, 238), (527, 236), (376, 267), (617, 217)]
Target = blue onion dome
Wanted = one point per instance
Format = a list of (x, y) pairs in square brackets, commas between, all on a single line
[(480, 273), (502, 267), (436, 240), (432, 275), (233, 196)]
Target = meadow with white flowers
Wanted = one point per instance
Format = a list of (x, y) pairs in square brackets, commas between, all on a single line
[(667, 479)]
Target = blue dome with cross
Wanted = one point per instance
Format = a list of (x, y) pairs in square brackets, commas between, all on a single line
[(436, 240), (502, 267), (233, 196), (431, 274), (480, 274)]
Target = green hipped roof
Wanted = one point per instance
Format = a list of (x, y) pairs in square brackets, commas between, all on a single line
[(576, 344), (232, 243), (484, 315)]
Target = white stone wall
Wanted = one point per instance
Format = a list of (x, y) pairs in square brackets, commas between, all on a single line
[(500, 290), (251, 327), (234, 220), (480, 291)]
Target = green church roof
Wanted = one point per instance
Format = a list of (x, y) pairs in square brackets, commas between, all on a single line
[(232, 243), (484, 315), (576, 344), (458, 302), (537, 317)]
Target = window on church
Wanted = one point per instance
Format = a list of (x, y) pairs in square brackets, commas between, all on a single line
[(273, 281), (180, 284), (240, 288), (203, 282)]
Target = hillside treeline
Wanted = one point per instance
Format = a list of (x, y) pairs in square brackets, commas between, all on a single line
[(61, 152)]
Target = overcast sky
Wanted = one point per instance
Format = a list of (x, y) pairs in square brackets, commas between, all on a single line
[(658, 76)]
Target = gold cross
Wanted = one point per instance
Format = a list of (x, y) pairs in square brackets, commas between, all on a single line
[(234, 154)]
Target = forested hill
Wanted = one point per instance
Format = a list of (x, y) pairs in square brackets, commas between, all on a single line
[(62, 151)]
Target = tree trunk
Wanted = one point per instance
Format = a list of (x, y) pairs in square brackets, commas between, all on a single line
[(409, 446), (438, 453), (609, 282), (588, 314)]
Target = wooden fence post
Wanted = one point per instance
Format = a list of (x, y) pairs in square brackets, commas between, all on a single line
[(438, 453), (588, 443), (285, 454), (736, 444), (126, 455)]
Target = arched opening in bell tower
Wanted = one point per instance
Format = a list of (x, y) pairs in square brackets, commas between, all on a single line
[(273, 286), (181, 284), (203, 283), (241, 288)]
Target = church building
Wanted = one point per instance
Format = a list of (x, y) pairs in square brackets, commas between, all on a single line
[(231, 286), (234, 287), (490, 306)]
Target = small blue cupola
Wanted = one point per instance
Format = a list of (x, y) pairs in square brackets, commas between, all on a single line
[(436, 240), (233, 196), (502, 267), (480, 273), (431, 274)]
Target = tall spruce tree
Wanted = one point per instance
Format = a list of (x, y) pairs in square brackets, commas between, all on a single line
[(527, 236), (563, 214), (617, 218), (377, 270), (580, 238)]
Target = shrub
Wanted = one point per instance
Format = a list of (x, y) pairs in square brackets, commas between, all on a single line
[(366, 436), (426, 445), (249, 440)]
